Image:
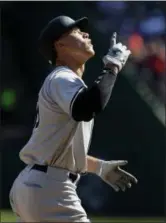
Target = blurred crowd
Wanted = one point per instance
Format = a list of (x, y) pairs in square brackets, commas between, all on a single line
[(143, 26), (150, 62)]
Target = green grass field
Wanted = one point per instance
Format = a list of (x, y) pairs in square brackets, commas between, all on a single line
[(7, 216)]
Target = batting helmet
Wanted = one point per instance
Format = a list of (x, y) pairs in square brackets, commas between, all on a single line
[(54, 30)]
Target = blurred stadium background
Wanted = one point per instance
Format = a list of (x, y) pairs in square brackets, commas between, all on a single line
[(133, 125)]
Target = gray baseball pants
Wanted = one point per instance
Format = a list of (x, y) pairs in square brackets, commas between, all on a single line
[(37, 196)]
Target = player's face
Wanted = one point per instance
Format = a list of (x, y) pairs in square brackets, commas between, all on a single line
[(77, 43)]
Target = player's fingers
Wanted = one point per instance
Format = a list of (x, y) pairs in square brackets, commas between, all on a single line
[(121, 162), (113, 39), (132, 178), (121, 185), (115, 187), (124, 47), (129, 177), (119, 45), (129, 185), (125, 181), (128, 52)]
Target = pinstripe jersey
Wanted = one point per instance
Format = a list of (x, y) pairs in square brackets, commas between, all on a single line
[(57, 139)]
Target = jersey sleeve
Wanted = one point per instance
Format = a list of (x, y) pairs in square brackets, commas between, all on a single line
[(64, 88)]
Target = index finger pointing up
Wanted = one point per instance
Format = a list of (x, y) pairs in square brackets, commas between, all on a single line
[(113, 39)]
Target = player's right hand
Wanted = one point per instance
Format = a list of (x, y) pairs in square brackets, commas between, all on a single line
[(111, 173), (117, 55)]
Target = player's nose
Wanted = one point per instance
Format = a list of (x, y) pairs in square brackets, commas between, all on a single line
[(85, 35)]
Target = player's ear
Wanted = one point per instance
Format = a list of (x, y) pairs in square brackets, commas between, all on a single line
[(59, 44)]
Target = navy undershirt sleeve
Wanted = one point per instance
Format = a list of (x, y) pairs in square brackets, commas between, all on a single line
[(91, 101)]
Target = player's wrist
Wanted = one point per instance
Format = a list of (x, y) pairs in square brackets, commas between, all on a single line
[(94, 165), (111, 68), (99, 167)]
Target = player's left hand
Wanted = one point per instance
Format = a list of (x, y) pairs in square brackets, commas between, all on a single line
[(112, 174), (117, 55)]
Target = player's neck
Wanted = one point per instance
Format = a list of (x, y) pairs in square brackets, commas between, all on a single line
[(76, 67)]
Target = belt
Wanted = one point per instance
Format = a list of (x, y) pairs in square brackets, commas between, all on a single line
[(73, 177)]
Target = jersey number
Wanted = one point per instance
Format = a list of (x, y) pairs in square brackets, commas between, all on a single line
[(37, 117)]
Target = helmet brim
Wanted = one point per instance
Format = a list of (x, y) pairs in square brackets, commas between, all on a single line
[(82, 23)]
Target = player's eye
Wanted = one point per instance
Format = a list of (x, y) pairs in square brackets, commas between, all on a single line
[(76, 31)]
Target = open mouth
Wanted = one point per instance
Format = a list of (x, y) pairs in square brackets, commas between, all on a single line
[(90, 43)]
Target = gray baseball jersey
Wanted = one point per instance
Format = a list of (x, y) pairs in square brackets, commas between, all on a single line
[(57, 139)]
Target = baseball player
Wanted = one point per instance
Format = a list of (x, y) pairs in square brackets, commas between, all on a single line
[(57, 152)]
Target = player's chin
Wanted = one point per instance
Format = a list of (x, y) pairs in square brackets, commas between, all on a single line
[(90, 52)]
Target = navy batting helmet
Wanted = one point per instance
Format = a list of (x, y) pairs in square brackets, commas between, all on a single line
[(54, 30)]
